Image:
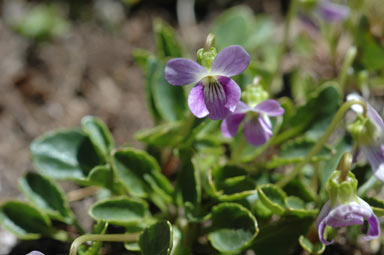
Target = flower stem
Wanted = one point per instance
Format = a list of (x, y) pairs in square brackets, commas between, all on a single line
[(348, 60), (106, 238), (338, 117)]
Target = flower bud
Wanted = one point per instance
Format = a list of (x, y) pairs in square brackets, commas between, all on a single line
[(363, 131), (205, 58), (254, 94)]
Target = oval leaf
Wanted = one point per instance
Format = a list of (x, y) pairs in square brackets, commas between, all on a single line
[(273, 198), (64, 155), (297, 207), (99, 135), (157, 239), (121, 211), (234, 227), (140, 174), (46, 195), (24, 220)]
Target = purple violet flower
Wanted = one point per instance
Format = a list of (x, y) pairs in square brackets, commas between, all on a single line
[(215, 94), (257, 127), (332, 12), (349, 214), (374, 150)]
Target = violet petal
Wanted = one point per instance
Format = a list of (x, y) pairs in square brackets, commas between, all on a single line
[(215, 100), (231, 124), (196, 101), (230, 61), (182, 71), (374, 225), (332, 12), (323, 212), (270, 107), (257, 131), (35, 253), (320, 231), (232, 92), (375, 157)]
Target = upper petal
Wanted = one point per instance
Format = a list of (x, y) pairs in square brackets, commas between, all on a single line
[(270, 107), (257, 131), (231, 124), (231, 61), (182, 71), (323, 212), (232, 92), (196, 101), (215, 100)]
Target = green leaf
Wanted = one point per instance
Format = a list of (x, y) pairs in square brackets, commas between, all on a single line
[(166, 41), (166, 101), (297, 207), (24, 220), (157, 239), (189, 178), (233, 227), (121, 211), (300, 147), (102, 176), (167, 134), (47, 196), (99, 135), (231, 183), (317, 248), (280, 237), (297, 187), (64, 155), (179, 247), (245, 29), (141, 175), (273, 198)]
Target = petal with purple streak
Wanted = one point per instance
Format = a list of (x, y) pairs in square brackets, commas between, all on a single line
[(324, 212), (182, 71), (320, 231), (215, 100), (374, 225), (257, 131), (232, 92), (230, 61), (231, 124), (270, 107), (196, 101)]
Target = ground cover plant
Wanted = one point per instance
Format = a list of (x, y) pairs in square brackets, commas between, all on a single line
[(240, 160)]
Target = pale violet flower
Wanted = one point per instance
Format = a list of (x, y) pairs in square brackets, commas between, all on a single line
[(215, 94), (344, 208), (349, 214), (373, 149), (257, 125)]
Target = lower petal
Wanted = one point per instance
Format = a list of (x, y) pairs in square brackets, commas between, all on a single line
[(196, 101), (232, 92), (215, 100), (320, 231), (256, 131), (231, 124), (270, 107)]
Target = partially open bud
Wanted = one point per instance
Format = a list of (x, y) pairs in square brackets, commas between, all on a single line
[(344, 207)]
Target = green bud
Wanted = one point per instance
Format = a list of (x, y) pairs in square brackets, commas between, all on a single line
[(342, 192), (254, 94), (363, 130), (205, 58)]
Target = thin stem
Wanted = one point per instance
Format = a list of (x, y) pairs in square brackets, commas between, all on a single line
[(210, 42), (287, 30), (348, 60), (102, 238), (338, 117)]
